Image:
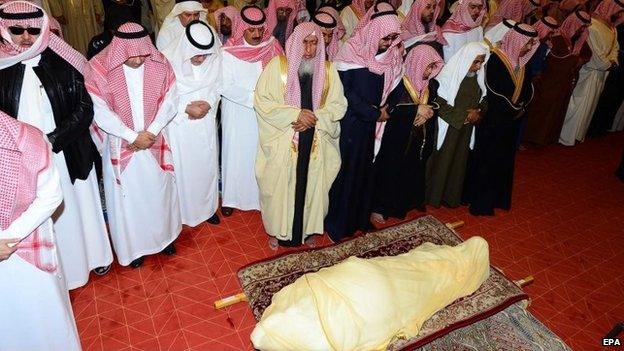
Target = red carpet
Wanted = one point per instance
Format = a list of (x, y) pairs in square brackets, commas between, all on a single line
[(566, 229)]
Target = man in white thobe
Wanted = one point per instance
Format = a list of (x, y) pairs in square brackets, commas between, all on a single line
[(183, 13), (593, 75), (133, 90), (463, 27), (244, 57), (43, 86), (196, 60), (35, 312)]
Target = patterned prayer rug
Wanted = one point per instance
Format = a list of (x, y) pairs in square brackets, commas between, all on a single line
[(263, 279), (513, 329)]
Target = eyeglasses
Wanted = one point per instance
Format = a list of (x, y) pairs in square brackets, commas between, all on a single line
[(390, 37), (20, 30)]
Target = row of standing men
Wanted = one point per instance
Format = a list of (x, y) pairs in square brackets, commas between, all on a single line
[(371, 113)]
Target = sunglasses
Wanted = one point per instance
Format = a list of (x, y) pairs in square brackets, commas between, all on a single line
[(20, 30)]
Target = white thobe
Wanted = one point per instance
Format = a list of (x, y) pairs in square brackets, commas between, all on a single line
[(457, 40), (35, 311), (195, 156), (143, 210), (592, 77), (83, 242), (240, 134), (166, 37), (618, 122)]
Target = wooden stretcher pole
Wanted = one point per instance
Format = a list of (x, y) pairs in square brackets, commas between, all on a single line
[(455, 225), (524, 282), (230, 300), (241, 297)]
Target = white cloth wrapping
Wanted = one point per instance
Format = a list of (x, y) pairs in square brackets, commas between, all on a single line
[(364, 304), (83, 242), (194, 141), (240, 134)]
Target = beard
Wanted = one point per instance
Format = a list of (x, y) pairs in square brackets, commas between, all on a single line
[(426, 20), (306, 67), (576, 36)]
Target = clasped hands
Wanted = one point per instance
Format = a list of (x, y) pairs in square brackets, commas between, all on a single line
[(305, 121), (474, 116), (197, 109), (144, 141), (7, 248), (424, 113)]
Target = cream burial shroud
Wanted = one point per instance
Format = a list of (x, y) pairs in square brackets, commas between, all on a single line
[(364, 304)]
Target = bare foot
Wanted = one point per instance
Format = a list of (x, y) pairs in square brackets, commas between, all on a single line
[(273, 244), (378, 218)]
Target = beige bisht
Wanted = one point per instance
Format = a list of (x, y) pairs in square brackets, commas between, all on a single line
[(161, 9), (276, 162), (83, 21)]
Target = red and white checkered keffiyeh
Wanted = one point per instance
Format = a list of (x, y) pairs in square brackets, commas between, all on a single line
[(545, 26), (243, 22), (236, 45), (24, 154), (11, 54), (56, 28), (271, 15), (327, 19), (571, 25), (104, 77), (361, 49), (358, 8), (514, 40), (294, 53), (417, 61), (340, 28), (607, 8), (515, 10), (230, 12), (412, 24), (461, 21), (376, 8)]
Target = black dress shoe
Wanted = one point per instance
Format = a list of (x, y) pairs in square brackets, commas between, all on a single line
[(169, 250), (137, 263), (227, 211), (214, 219), (102, 270)]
